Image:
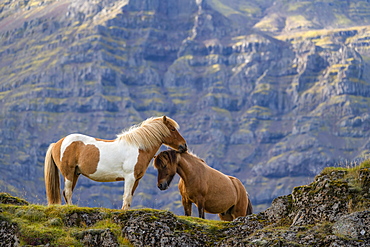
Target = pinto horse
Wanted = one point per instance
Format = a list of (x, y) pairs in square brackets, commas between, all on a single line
[(212, 191), (125, 158)]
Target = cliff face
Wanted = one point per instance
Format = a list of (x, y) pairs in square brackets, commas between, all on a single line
[(266, 91), (333, 210)]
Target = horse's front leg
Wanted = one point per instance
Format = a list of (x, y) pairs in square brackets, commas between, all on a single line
[(201, 211), (200, 206), (187, 206), (128, 193)]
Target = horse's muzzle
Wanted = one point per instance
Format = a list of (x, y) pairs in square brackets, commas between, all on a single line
[(183, 148), (163, 186)]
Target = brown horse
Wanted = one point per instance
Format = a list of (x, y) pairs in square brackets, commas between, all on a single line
[(212, 191), (125, 158)]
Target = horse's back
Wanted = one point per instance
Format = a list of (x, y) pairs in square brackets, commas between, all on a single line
[(84, 152), (210, 182), (219, 182), (72, 138)]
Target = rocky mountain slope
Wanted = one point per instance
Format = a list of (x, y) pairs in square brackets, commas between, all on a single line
[(268, 91), (333, 210)]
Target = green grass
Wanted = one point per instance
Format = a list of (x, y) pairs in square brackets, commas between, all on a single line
[(40, 225), (195, 221), (63, 225), (350, 168), (354, 176), (33, 224)]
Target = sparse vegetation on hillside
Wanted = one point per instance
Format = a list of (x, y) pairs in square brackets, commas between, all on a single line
[(320, 213)]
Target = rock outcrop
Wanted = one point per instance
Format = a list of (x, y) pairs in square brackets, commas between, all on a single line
[(333, 210)]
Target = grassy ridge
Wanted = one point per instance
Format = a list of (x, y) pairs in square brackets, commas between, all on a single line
[(70, 225), (63, 225)]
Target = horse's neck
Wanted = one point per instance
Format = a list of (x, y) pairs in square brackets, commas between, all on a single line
[(187, 169), (147, 155), (143, 162)]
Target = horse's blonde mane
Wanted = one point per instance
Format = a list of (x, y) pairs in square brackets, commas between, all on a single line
[(149, 134)]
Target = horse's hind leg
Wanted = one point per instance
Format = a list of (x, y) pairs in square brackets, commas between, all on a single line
[(67, 192), (243, 205), (228, 215), (75, 178), (69, 185)]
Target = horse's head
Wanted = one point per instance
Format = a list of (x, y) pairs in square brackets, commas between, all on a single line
[(174, 140), (166, 164)]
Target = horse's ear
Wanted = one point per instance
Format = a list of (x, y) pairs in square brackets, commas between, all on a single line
[(164, 119)]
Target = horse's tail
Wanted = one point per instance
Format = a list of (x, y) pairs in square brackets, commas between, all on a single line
[(51, 175), (249, 207)]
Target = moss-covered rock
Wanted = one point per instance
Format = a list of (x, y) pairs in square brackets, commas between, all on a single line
[(332, 210), (158, 228), (6, 198), (97, 237)]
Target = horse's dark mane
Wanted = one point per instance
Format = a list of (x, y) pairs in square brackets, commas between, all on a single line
[(170, 153)]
